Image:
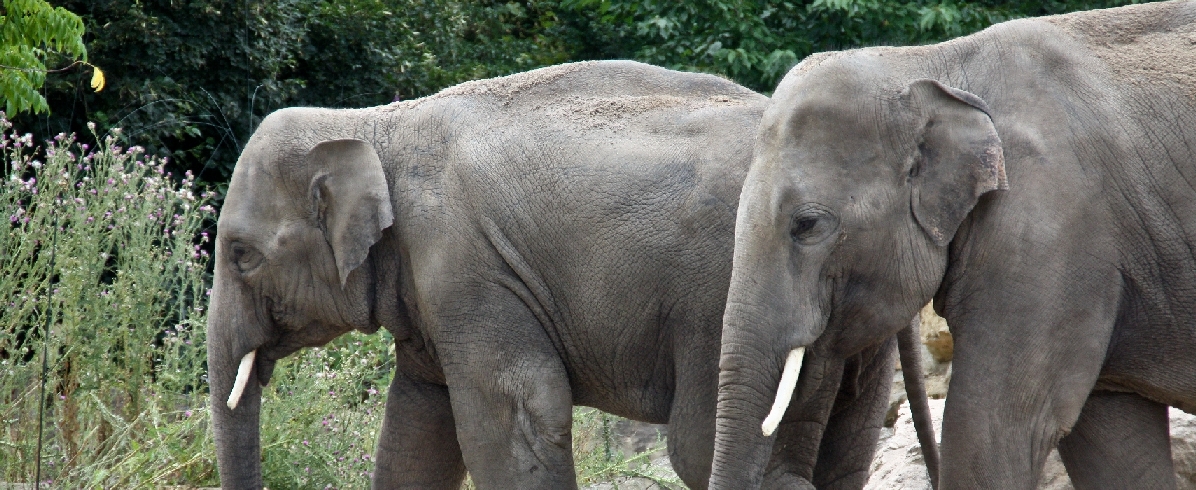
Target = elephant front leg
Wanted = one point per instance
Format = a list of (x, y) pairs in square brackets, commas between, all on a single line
[(803, 429), (511, 397), (1120, 441), (418, 446), (515, 429), (853, 430), (1018, 386)]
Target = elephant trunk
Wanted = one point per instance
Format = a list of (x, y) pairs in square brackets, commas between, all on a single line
[(758, 374), (235, 378), (767, 326), (238, 446)]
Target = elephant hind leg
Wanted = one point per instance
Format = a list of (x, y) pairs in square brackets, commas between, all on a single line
[(418, 444), (1120, 441)]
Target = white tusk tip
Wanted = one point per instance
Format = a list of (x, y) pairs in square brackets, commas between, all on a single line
[(770, 425)]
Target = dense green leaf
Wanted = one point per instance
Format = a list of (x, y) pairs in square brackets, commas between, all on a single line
[(31, 31)]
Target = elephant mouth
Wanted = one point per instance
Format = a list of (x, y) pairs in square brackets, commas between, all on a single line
[(261, 360)]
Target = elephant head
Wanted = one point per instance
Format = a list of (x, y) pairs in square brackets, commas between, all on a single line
[(857, 186), (290, 269)]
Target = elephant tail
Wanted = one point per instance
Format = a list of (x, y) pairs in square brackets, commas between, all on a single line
[(915, 388)]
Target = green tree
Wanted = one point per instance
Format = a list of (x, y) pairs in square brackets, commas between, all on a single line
[(30, 32), (191, 79), (756, 42)]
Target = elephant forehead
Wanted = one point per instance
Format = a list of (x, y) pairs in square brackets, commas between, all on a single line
[(849, 75), (255, 197), (823, 123), (827, 146)]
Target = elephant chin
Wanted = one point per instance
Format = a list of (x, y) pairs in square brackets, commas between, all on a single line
[(784, 391)]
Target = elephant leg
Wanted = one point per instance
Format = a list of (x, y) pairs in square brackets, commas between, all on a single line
[(691, 418), (1120, 441), (511, 397), (418, 445), (1020, 380), (799, 436), (845, 454)]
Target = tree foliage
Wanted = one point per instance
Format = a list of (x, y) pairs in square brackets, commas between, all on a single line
[(191, 79), (30, 31), (756, 42)]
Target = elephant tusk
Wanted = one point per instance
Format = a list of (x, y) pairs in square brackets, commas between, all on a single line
[(784, 391), (242, 379)]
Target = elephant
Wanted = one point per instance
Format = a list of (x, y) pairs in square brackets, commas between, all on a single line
[(1033, 179), (533, 242)]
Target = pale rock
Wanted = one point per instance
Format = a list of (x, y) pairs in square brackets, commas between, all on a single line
[(1183, 448), (935, 336), (898, 463)]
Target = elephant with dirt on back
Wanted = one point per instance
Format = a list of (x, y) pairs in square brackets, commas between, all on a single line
[(1037, 179), (555, 238)]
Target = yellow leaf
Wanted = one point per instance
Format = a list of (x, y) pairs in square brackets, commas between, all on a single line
[(97, 78)]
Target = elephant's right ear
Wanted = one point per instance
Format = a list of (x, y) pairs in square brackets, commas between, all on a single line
[(349, 199), (958, 157)]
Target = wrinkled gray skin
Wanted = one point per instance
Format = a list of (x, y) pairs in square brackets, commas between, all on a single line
[(1036, 179), (556, 238)]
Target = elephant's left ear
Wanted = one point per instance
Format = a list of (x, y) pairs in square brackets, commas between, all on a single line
[(349, 199), (958, 158)]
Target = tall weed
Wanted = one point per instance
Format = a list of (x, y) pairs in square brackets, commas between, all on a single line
[(103, 247)]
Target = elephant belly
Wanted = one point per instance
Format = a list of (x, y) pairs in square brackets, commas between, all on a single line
[(648, 402), (1158, 362)]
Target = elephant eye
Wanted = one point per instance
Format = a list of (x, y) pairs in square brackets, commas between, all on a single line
[(811, 225), (244, 257), (803, 226)]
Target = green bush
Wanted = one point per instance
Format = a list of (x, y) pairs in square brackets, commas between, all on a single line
[(192, 79), (322, 412), (755, 42)]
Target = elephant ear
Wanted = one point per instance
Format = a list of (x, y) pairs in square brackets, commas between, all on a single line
[(349, 199), (958, 157)]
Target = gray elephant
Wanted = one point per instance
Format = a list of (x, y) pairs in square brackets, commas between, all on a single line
[(555, 238), (1036, 179)]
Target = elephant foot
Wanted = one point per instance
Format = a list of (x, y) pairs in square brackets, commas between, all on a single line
[(786, 481)]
